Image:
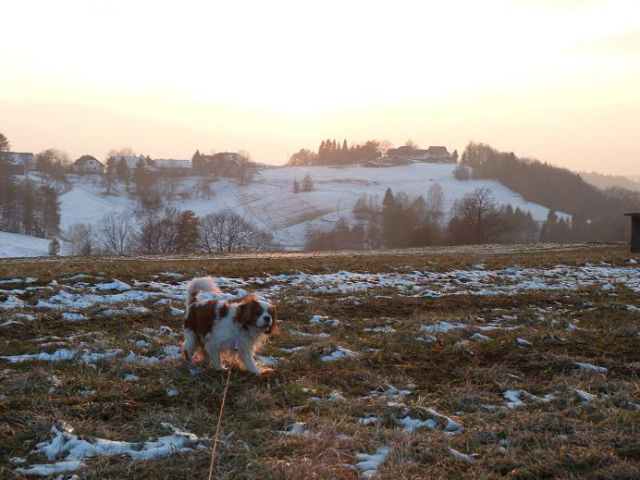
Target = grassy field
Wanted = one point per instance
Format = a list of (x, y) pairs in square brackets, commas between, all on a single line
[(473, 362)]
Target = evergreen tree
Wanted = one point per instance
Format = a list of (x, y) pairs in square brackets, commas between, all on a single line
[(187, 232), (5, 146), (54, 247), (307, 183), (123, 172)]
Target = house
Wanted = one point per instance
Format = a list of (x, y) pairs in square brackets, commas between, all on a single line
[(432, 154), (407, 153), (170, 164), (132, 161), (438, 155), (87, 164), (19, 163)]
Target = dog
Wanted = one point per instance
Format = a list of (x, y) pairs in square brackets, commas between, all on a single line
[(219, 326)]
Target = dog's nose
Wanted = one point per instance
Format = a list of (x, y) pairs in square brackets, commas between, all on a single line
[(268, 318)]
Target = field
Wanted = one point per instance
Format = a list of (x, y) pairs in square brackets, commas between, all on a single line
[(437, 363)]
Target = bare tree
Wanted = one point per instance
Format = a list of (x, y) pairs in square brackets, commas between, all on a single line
[(153, 235), (116, 232), (226, 231), (477, 216), (79, 240), (435, 202)]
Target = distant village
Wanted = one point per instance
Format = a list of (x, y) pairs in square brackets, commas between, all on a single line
[(20, 163), (225, 163)]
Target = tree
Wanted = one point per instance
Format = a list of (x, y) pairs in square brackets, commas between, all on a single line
[(226, 232), (187, 232), (435, 202), (307, 183), (304, 157), (116, 232), (5, 146), (54, 247), (411, 144), (123, 172), (476, 217), (296, 186), (110, 175), (79, 239)]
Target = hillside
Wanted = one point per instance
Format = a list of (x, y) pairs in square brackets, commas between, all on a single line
[(14, 245), (270, 203), (607, 181), (466, 365)]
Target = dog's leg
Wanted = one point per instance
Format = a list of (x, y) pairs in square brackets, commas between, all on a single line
[(247, 358), (214, 354), (190, 343)]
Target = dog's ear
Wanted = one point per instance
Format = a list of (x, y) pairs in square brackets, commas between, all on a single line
[(246, 313)]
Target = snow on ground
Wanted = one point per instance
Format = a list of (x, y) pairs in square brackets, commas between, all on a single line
[(14, 245), (270, 202), (73, 449)]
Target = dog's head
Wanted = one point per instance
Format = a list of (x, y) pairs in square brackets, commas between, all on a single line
[(255, 313)]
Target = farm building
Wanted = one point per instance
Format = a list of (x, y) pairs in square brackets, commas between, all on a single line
[(87, 164), (19, 163)]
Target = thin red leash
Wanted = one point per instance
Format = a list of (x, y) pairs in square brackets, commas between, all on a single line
[(224, 398), (215, 440)]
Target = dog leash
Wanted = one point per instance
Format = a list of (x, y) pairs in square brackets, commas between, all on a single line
[(236, 345)]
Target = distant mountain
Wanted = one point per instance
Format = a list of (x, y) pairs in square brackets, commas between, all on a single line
[(607, 181)]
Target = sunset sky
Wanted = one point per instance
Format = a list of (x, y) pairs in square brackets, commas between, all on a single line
[(554, 80)]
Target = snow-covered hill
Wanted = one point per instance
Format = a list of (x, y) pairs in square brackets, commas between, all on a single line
[(14, 245), (270, 202)]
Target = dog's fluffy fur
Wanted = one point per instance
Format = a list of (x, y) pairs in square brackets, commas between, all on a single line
[(218, 326)]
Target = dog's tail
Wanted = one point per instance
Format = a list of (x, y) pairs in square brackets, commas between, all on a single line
[(197, 285)]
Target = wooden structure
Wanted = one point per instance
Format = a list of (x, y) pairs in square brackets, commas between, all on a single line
[(635, 232)]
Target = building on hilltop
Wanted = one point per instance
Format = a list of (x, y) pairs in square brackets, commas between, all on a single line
[(18, 163), (438, 155), (432, 154), (170, 164), (87, 164), (132, 161)]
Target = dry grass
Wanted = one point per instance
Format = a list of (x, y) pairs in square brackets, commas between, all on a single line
[(459, 377)]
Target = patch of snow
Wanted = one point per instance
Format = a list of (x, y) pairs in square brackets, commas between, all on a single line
[(521, 342), (337, 354), (478, 337), (591, 366), (322, 320), (74, 317), (57, 356), (515, 398), (368, 421), (441, 327), (469, 458), (586, 397), (296, 429), (268, 361), (115, 285), (73, 450), (368, 464)]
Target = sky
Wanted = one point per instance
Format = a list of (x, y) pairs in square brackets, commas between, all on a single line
[(553, 80)]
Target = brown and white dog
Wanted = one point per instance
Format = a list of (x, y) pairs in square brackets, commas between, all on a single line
[(219, 326)]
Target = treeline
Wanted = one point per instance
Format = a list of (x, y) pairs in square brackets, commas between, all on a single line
[(399, 222), (332, 152), (26, 207), (597, 215), (168, 231)]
